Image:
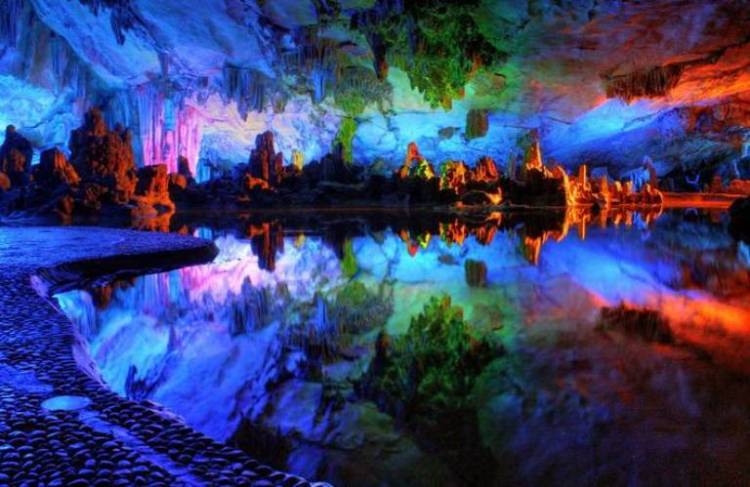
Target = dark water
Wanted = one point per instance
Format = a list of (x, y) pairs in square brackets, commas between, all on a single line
[(272, 347)]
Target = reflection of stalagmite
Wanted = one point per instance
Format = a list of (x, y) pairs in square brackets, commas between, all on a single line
[(605, 199), (559, 173), (411, 246), (485, 234), (266, 240), (454, 232), (582, 223), (532, 249)]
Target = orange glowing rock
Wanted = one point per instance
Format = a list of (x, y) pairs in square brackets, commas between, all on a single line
[(485, 234), (486, 171), (252, 183), (739, 186), (533, 158), (415, 165), (266, 239), (455, 232), (532, 249), (455, 176), (152, 188)]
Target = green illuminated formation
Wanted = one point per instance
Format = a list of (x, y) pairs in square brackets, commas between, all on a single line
[(357, 87), (430, 369), (357, 309), (345, 137), (349, 262), (438, 44)]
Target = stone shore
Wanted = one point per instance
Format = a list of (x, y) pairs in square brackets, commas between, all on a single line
[(59, 423)]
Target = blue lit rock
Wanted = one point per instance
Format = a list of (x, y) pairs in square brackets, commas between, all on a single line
[(66, 403)]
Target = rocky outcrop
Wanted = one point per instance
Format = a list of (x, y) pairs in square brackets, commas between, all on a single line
[(104, 157), (334, 167), (455, 176), (4, 182), (265, 163), (54, 170), (415, 165), (152, 189), (15, 157), (101, 177), (486, 171)]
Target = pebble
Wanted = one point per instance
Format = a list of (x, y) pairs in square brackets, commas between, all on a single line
[(46, 442)]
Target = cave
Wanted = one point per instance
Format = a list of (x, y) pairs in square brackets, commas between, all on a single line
[(374, 242)]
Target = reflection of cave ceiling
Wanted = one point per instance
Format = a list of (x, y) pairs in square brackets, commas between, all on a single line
[(221, 70)]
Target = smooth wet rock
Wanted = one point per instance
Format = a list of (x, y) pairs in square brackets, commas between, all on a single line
[(66, 403)]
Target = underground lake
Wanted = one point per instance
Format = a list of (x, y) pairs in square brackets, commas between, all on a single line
[(433, 349), (374, 243)]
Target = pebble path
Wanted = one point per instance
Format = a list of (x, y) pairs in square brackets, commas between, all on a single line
[(60, 424)]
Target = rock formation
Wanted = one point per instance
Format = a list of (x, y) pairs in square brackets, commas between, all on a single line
[(477, 124), (415, 165), (334, 167), (455, 176), (15, 157), (266, 240), (152, 189), (54, 170), (265, 163), (4, 182), (486, 171), (104, 158), (648, 325)]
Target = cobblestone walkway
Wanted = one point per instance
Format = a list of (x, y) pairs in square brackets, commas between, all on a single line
[(59, 425)]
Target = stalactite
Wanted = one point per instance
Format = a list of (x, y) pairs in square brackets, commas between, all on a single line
[(356, 87), (319, 60), (123, 16), (166, 126), (649, 83), (313, 60), (10, 19), (33, 53), (246, 87), (477, 124)]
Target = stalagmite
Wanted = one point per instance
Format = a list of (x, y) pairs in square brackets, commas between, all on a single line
[(265, 163), (415, 164)]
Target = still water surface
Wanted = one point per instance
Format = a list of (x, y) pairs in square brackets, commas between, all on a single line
[(272, 347)]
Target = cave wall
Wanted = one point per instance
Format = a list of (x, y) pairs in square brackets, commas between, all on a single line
[(605, 82)]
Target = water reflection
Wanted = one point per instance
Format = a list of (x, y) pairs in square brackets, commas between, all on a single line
[(276, 345)]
